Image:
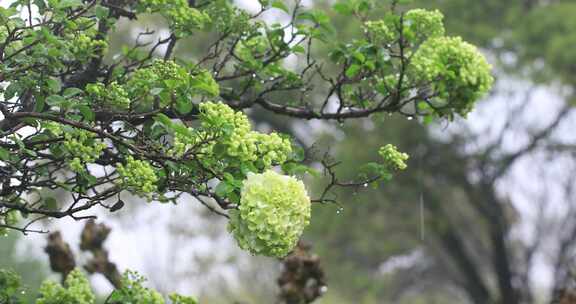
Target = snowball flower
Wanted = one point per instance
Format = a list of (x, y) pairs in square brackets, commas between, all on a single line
[(457, 71), (274, 210)]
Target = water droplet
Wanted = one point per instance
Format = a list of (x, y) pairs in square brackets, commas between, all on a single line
[(365, 185), (253, 75), (271, 78), (262, 81), (410, 117), (23, 292), (323, 289)]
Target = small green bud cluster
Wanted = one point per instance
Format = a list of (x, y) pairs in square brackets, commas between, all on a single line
[(419, 25), (77, 291), (113, 95), (393, 159), (9, 286), (424, 24), (85, 47), (154, 77), (225, 17), (458, 72), (138, 176), (380, 31), (237, 138), (166, 82), (83, 148), (217, 115), (274, 210), (132, 291), (179, 299), (183, 18), (79, 145)]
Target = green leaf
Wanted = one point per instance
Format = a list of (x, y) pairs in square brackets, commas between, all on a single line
[(53, 85), (4, 154), (156, 91), (71, 92), (163, 119), (343, 9), (184, 106), (86, 112), (101, 12), (69, 3), (298, 49), (39, 105), (50, 203), (55, 100), (279, 4), (359, 56), (353, 70), (223, 189)]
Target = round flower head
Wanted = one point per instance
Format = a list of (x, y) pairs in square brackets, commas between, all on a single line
[(458, 72), (274, 210)]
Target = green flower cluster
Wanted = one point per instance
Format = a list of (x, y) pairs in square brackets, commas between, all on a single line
[(182, 18), (78, 291), (112, 95), (85, 47), (457, 71), (79, 145), (380, 31), (238, 141), (226, 17), (274, 210), (132, 291), (424, 24), (419, 24), (138, 176), (166, 82), (83, 148), (146, 83), (393, 159), (9, 286)]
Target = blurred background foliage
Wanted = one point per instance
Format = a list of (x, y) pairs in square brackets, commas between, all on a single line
[(483, 214)]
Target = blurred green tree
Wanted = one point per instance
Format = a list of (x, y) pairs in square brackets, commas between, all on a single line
[(449, 226)]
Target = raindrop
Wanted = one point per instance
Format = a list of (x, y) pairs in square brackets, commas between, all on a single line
[(365, 185), (253, 75), (23, 292), (323, 289), (271, 78), (340, 210), (410, 117)]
